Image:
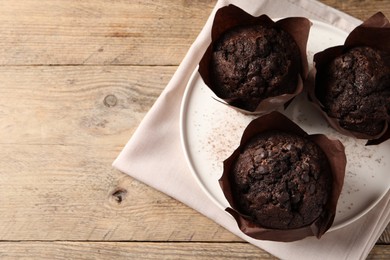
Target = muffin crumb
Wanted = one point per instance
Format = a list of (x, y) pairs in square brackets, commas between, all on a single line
[(281, 180), (251, 63), (357, 90)]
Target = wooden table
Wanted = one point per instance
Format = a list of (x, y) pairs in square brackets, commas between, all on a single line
[(76, 79)]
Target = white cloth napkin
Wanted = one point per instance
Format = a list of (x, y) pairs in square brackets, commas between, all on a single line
[(154, 154)]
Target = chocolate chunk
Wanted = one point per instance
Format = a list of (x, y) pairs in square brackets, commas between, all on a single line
[(296, 197), (253, 62), (356, 90)]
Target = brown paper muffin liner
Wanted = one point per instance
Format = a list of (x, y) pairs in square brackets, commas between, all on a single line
[(335, 153), (230, 16), (375, 33)]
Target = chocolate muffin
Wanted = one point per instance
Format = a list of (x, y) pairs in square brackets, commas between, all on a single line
[(254, 62), (281, 180), (355, 89)]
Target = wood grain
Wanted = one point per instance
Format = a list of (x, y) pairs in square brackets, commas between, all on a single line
[(122, 32), (143, 250), (76, 79), (361, 9), (99, 31), (57, 192), (56, 180), (107, 250), (385, 237), (76, 105)]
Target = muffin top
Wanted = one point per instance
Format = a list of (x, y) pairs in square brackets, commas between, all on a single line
[(281, 180), (357, 90), (253, 62)]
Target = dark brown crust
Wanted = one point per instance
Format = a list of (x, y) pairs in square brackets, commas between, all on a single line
[(334, 151), (281, 180), (231, 16), (356, 90), (251, 63), (367, 34)]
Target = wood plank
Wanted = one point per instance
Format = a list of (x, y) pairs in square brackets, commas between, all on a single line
[(76, 105), (120, 32), (143, 250), (379, 252), (361, 9), (132, 250), (99, 31), (61, 129), (71, 192)]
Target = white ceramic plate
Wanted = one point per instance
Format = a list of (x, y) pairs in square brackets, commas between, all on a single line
[(211, 131)]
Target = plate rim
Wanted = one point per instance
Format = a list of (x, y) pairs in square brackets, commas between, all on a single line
[(185, 146)]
